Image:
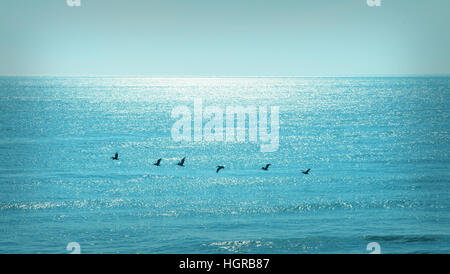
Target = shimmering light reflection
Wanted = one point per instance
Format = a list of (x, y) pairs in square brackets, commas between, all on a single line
[(378, 149)]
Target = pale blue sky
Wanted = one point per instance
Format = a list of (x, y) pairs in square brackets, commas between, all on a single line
[(224, 38)]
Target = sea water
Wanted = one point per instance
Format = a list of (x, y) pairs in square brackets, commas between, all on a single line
[(378, 149)]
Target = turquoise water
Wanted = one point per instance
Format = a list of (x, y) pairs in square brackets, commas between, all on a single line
[(378, 149)]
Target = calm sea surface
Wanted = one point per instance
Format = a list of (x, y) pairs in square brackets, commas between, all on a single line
[(378, 149)]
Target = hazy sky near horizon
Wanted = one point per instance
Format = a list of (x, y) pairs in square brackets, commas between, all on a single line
[(224, 38)]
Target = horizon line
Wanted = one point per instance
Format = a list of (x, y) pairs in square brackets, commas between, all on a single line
[(226, 76)]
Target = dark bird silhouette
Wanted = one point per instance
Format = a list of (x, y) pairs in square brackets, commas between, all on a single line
[(306, 171), (116, 156), (158, 163), (219, 168), (266, 167), (181, 163)]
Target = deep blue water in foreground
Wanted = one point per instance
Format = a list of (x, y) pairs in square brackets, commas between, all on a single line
[(378, 149)]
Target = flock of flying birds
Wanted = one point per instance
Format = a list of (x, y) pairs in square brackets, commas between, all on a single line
[(181, 163)]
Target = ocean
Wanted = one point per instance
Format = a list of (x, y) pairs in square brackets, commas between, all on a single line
[(378, 149)]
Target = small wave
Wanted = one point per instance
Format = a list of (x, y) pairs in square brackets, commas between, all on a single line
[(94, 203), (270, 245), (237, 246), (404, 238), (176, 208)]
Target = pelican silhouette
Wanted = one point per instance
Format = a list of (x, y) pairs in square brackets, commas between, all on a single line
[(116, 156), (219, 168), (266, 167), (306, 171), (158, 163), (181, 163)]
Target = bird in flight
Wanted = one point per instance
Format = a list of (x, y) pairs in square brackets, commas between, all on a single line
[(181, 163), (158, 163), (306, 171), (266, 167), (116, 156), (219, 168)]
